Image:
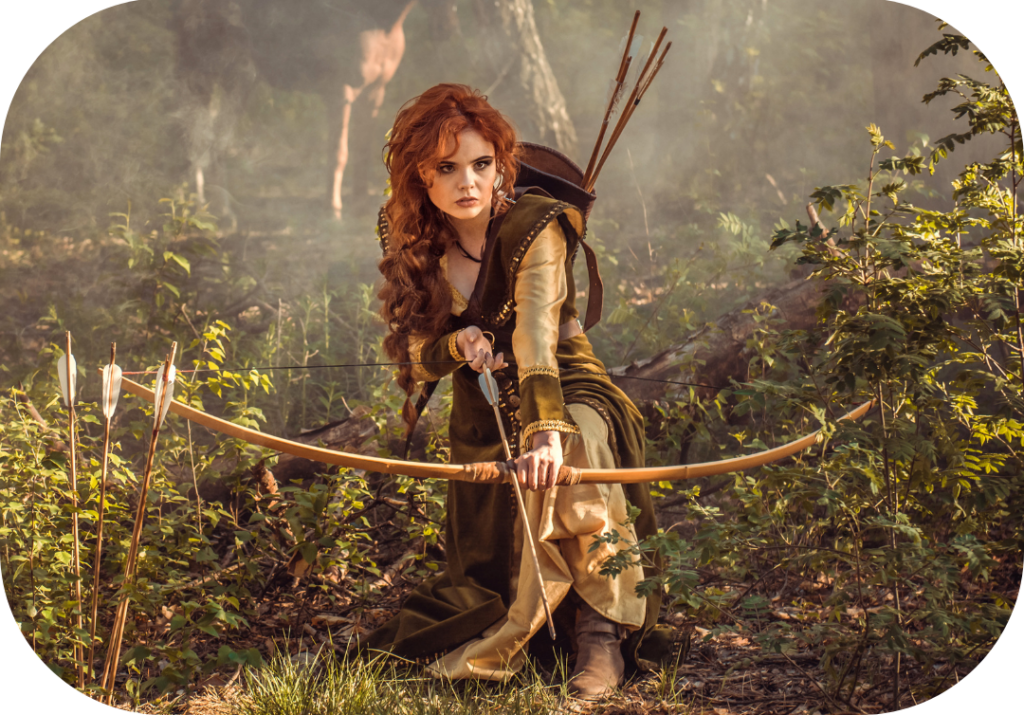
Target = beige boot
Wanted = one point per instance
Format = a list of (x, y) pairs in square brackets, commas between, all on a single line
[(599, 664)]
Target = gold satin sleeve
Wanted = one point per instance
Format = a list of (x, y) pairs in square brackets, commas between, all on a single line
[(540, 291)]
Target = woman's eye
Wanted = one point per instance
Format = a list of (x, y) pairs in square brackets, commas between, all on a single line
[(445, 169), (483, 164)]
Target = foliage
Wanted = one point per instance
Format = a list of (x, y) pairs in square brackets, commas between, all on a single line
[(675, 289), (203, 563), (896, 528)]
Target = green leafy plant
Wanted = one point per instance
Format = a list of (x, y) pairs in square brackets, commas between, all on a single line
[(901, 529)]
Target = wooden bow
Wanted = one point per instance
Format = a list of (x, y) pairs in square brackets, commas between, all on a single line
[(489, 472)]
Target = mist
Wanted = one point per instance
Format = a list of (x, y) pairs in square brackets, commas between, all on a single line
[(759, 102)]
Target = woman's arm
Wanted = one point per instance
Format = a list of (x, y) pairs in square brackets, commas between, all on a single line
[(540, 291)]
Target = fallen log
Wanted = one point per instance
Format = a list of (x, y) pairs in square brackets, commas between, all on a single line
[(719, 352)]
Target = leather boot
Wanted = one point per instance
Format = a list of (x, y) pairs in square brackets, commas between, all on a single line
[(599, 663)]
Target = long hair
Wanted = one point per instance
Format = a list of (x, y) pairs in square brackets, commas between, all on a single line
[(414, 297)]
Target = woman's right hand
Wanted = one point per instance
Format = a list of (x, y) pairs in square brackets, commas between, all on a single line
[(477, 350)]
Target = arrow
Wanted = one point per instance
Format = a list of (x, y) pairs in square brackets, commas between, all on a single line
[(164, 391), (66, 370), (490, 389), (110, 392)]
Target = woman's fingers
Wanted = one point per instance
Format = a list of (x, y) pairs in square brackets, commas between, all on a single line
[(478, 351), (480, 360), (537, 470), (550, 476), (527, 469)]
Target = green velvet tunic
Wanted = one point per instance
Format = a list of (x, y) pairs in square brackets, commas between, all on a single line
[(456, 605)]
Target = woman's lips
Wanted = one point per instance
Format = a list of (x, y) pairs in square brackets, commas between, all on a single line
[(468, 201)]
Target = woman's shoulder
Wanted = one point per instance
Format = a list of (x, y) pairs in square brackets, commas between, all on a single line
[(533, 212)]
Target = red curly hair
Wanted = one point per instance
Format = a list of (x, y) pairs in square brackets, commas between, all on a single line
[(414, 296)]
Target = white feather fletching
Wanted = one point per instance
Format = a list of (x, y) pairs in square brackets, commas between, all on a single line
[(62, 373), (639, 60), (111, 389), (489, 387), (162, 401), (638, 40)]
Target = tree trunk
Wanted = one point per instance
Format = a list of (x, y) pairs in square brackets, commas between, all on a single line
[(525, 80)]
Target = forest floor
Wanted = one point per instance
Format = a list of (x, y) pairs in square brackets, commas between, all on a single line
[(715, 674)]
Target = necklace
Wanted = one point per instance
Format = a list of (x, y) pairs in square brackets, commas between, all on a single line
[(466, 253)]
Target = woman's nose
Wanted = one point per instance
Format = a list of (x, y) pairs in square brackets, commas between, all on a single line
[(466, 180)]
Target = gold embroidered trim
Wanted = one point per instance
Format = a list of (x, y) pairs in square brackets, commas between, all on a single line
[(453, 346), (537, 370), (459, 301), (416, 355), (383, 230), (546, 426), (501, 317)]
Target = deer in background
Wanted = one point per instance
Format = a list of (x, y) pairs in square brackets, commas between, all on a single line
[(345, 50)]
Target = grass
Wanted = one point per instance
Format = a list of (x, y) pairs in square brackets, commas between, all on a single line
[(332, 685)]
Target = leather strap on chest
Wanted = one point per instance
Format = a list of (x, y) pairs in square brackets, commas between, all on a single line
[(595, 292)]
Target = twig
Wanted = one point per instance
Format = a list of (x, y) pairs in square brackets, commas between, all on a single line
[(56, 442), (643, 204), (501, 77), (814, 682), (388, 577)]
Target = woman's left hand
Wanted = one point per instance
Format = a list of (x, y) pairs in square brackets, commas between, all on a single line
[(538, 469)]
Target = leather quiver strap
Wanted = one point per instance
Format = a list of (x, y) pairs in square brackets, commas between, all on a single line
[(595, 293)]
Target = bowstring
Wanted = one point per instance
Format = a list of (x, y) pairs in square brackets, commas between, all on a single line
[(270, 368)]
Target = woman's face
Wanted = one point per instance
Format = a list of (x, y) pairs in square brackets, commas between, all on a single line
[(463, 181)]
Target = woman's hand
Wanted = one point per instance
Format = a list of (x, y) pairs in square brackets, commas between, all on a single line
[(477, 350), (538, 469)]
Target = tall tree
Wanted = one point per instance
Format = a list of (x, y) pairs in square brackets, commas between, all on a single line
[(525, 78)]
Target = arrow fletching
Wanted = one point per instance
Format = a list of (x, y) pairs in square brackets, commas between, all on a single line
[(640, 60), (62, 373), (111, 389), (489, 387), (164, 391)]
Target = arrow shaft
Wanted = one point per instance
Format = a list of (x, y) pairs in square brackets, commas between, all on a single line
[(73, 478), (99, 551), (117, 634), (527, 531)]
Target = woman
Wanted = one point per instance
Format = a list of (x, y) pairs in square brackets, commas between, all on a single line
[(475, 277)]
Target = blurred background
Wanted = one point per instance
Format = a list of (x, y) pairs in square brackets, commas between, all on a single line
[(171, 170), (167, 161)]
